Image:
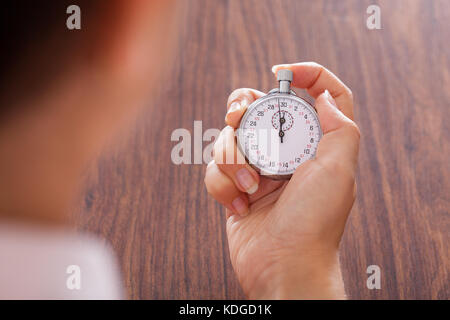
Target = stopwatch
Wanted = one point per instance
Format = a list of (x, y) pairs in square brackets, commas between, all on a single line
[(279, 131)]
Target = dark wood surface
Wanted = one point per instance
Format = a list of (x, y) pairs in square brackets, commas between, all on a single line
[(170, 237)]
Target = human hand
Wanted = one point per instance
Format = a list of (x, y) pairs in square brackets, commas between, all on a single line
[(284, 236)]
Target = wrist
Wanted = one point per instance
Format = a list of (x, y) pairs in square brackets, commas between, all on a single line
[(315, 277)]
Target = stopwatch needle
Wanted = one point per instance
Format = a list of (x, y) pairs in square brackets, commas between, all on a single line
[(280, 133)]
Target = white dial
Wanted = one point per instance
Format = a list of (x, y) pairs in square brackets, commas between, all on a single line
[(278, 133)]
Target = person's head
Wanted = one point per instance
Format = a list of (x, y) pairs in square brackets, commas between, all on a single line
[(63, 91)]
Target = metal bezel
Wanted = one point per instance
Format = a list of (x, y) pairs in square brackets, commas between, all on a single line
[(274, 93)]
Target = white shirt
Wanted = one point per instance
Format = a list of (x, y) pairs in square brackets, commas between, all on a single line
[(49, 263)]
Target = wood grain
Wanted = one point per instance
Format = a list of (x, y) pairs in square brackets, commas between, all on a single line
[(170, 237)]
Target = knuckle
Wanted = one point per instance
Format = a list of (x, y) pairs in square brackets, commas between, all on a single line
[(239, 94), (338, 169), (344, 171), (348, 93), (211, 184), (320, 68), (316, 64), (234, 95), (353, 129)]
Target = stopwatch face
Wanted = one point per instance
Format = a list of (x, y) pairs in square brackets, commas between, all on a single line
[(278, 133)]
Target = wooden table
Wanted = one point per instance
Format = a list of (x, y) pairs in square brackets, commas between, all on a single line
[(170, 236)]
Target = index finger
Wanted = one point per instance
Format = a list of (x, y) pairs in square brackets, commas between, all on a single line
[(315, 78), (237, 104)]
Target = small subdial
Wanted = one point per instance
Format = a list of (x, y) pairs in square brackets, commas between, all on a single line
[(286, 120)]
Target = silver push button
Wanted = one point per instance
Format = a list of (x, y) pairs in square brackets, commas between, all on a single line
[(284, 78)]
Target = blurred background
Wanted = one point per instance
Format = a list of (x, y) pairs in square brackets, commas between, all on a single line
[(170, 236)]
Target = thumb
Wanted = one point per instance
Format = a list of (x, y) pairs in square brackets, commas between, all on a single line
[(340, 142)]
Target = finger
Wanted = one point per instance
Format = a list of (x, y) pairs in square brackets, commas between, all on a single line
[(265, 187), (237, 104), (340, 143), (231, 161), (222, 188), (316, 79)]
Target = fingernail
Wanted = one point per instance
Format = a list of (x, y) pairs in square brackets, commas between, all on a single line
[(275, 67), (244, 103), (237, 105), (240, 206), (234, 106), (330, 98), (246, 180)]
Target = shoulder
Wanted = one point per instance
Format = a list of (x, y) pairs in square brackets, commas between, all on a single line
[(44, 263)]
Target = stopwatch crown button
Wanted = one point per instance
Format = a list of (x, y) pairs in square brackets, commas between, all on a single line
[(284, 75)]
